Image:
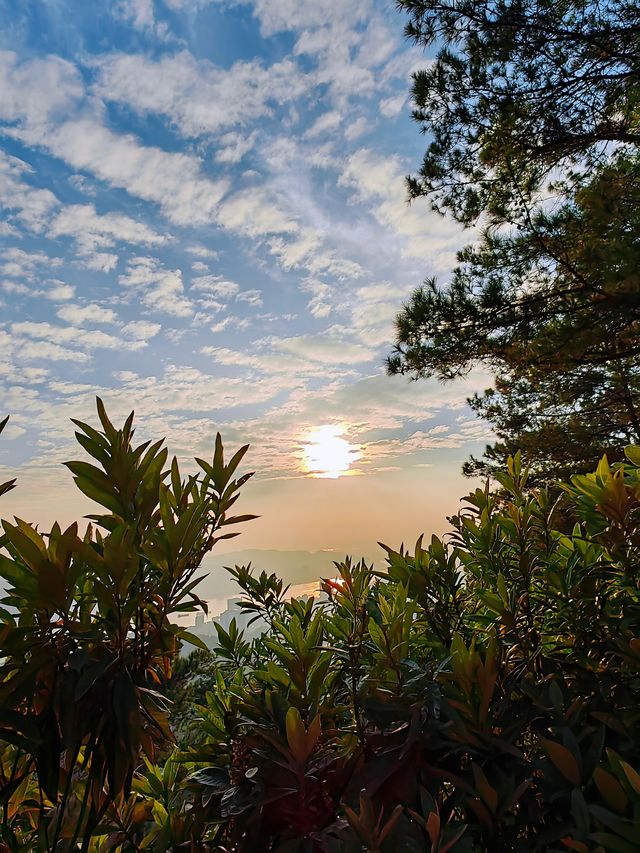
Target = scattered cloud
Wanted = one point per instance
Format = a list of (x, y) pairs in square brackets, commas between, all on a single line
[(218, 238), (159, 289), (79, 315), (196, 96)]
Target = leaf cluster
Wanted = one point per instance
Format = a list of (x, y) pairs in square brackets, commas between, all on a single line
[(88, 634), (517, 89), (481, 693)]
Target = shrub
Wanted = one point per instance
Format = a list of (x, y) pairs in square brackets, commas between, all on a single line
[(481, 693), (87, 639)]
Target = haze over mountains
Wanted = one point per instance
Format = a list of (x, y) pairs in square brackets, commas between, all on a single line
[(294, 567)]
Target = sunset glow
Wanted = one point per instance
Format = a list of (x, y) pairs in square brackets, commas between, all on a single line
[(328, 455)]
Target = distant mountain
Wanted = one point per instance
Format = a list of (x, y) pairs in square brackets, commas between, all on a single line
[(293, 567)]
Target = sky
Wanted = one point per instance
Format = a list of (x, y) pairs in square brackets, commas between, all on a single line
[(204, 219)]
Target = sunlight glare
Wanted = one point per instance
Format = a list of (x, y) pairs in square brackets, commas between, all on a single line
[(326, 454)]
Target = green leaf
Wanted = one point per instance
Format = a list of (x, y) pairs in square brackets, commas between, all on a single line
[(193, 639)]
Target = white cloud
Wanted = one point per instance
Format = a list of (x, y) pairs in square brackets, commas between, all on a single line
[(172, 180), (393, 106), (19, 263), (357, 128), (78, 315), (196, 96), (161, 289), (94, 232), (323, 349), (58, 291), (251, 297), (255, 213), (215, 285), (32, 206), (325, 123), (282, 15), (141, 330), (322, 296), (30, 350), (140, 13), (38, 91), (202, 252), (41, 211), (86, 339), (234, 146), (379, 182), (40, 105)]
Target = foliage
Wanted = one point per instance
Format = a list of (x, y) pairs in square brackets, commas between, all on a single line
[(191, 677), (482, 693), (531, 110), (517, 89), (87, 639), (553, 309)]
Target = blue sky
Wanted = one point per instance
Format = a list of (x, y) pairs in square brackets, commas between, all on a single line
[(204, 219)]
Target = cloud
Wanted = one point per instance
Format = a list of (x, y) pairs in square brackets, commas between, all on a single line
[(141, 330), (215, 285), (37, 99), (326, 123), (29, 350), (19, 263), (323, 349), (378, 181), (85, 339), (234, 146), (357, 128), (251, 297), (28, 267), (282, 15), (202, 252), (196, 96), (78, 315), (160, 289), (393, 106), (93, 232), (39, 91), (380, 414), (256, 212), (41, 212), (57, 291), (31, 206), (140, 13), (172, 180)]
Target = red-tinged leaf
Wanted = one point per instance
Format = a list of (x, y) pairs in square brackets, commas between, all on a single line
[(389, 825), (489, 795), (452, 840), (481, 812), (563, 760), (572, 844), (433, 828), (632, 776), (611, 789)]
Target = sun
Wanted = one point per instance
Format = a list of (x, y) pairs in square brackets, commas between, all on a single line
[(328, 455)]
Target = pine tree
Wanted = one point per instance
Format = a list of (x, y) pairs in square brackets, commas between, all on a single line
[(532, 111)]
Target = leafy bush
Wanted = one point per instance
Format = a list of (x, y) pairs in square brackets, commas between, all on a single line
[(480, 694), (87, 640)]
